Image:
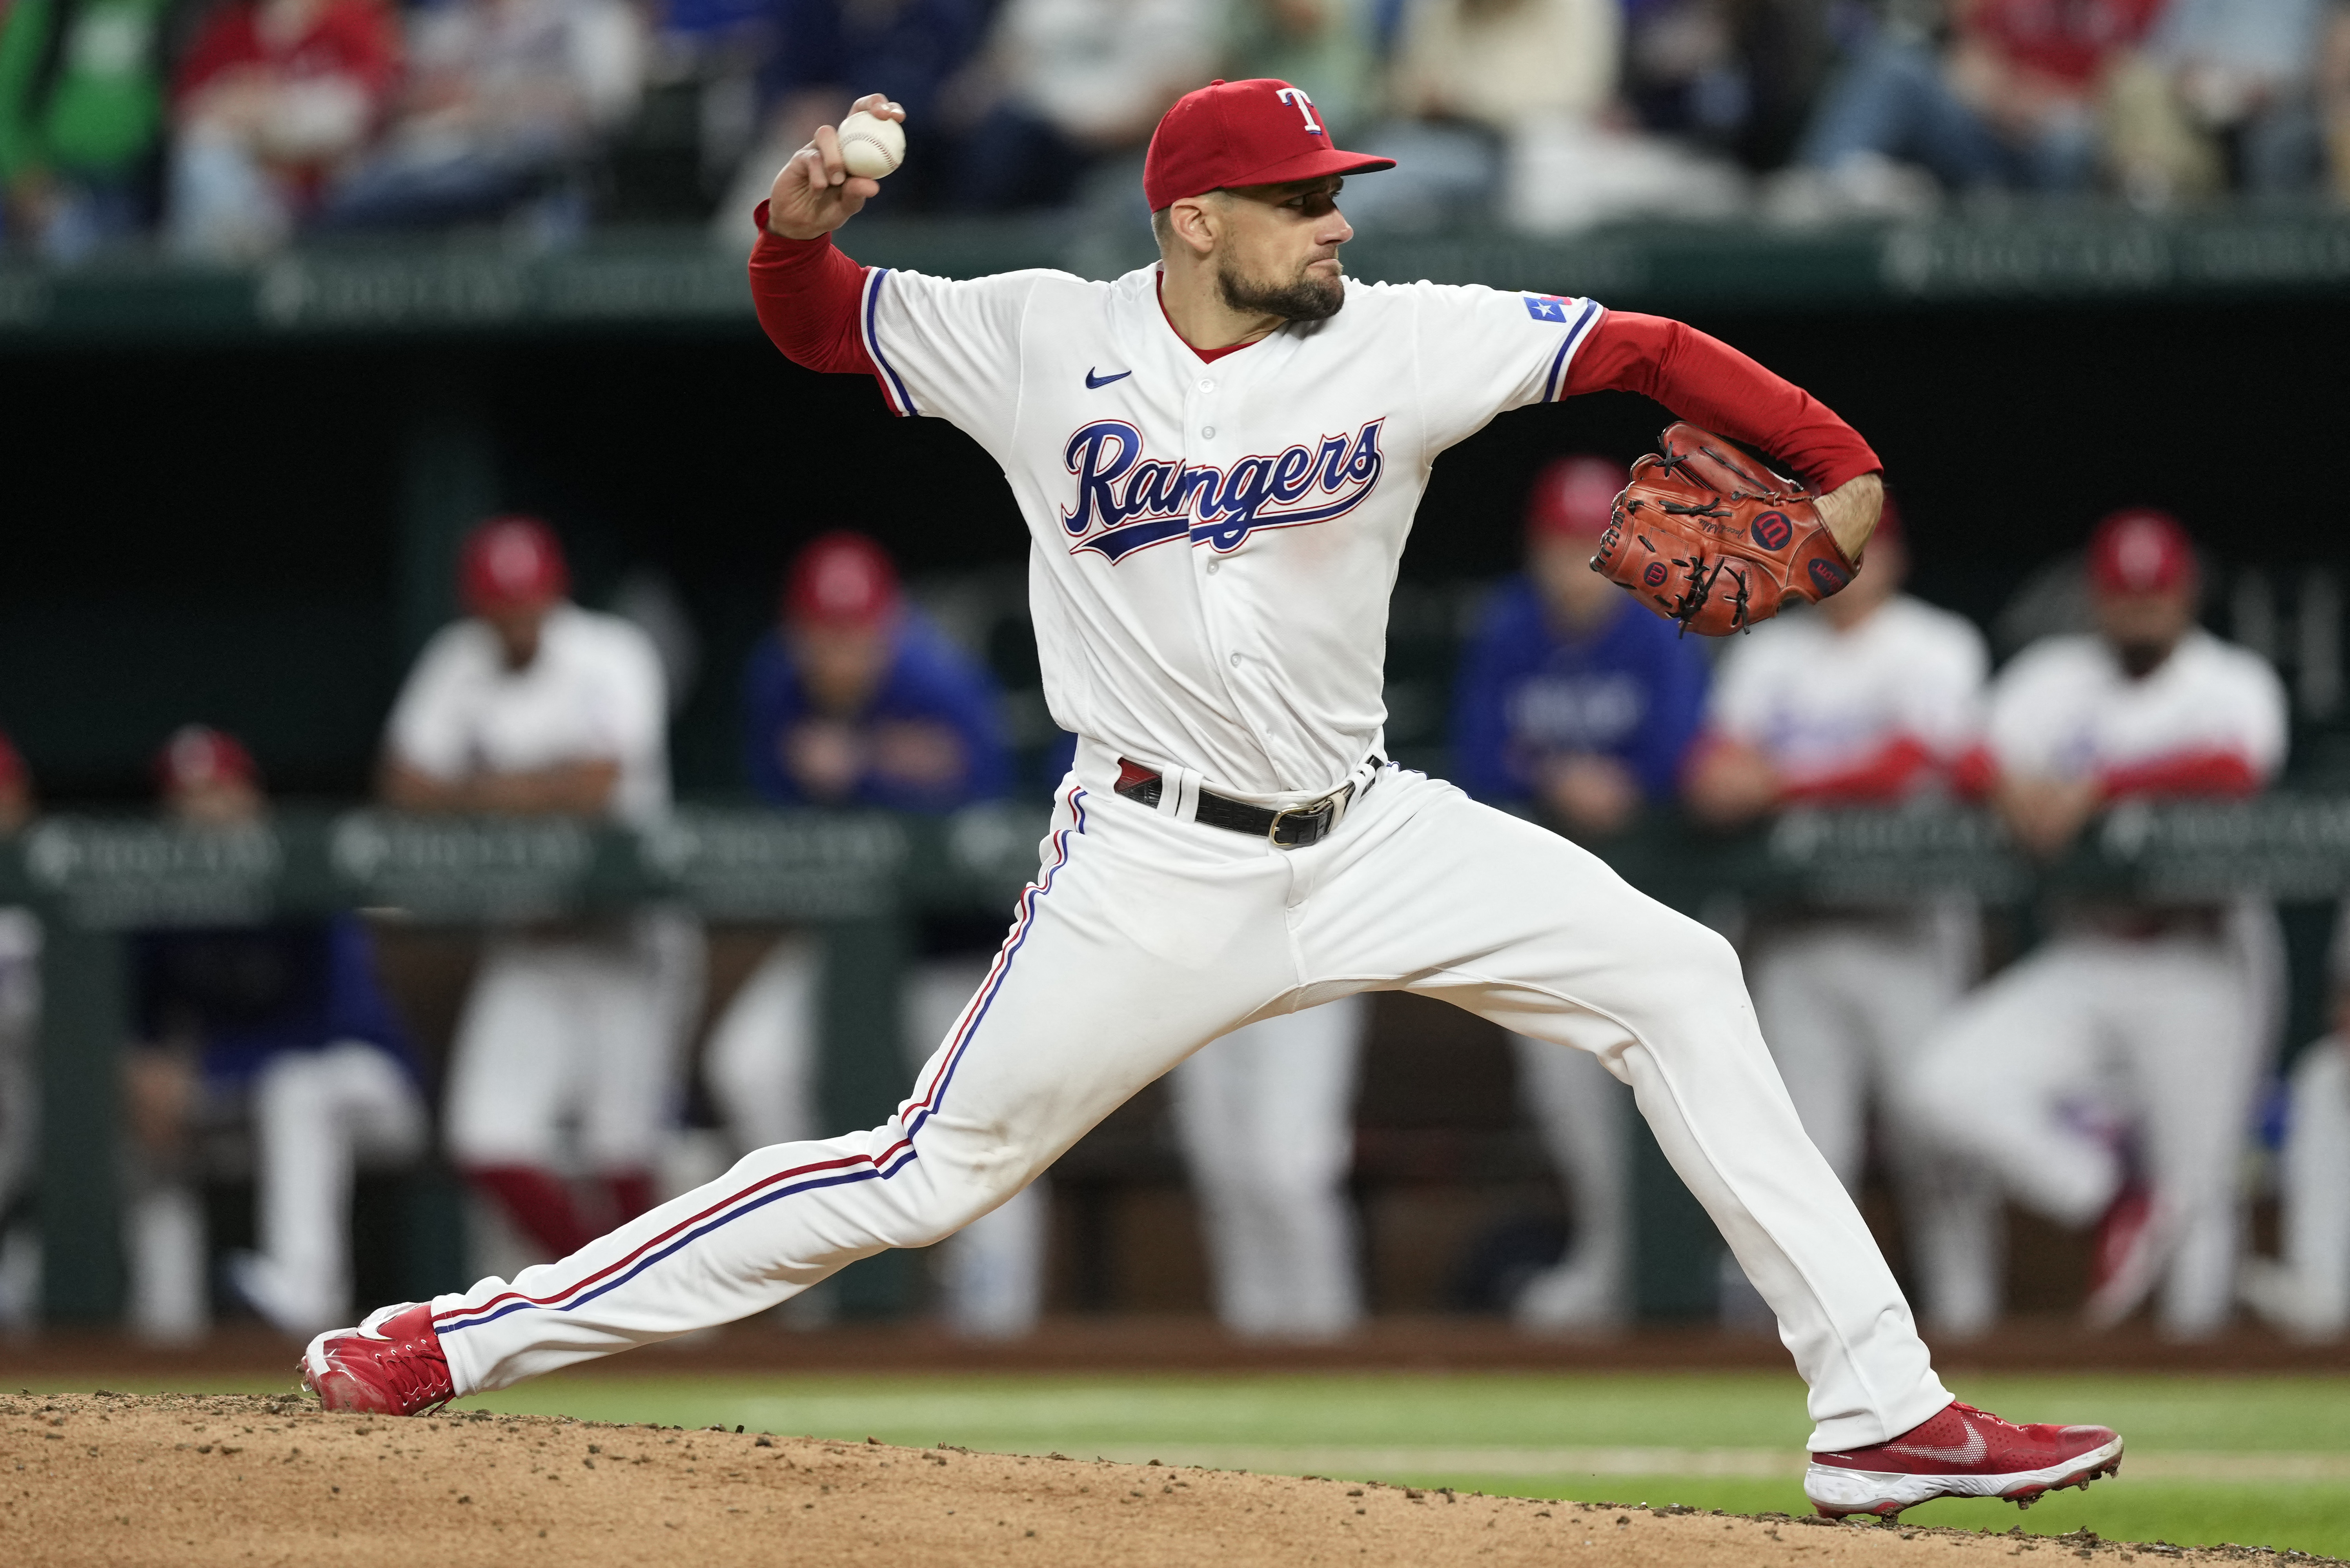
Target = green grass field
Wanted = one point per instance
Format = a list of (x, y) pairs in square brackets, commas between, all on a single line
[(2254, 1460)]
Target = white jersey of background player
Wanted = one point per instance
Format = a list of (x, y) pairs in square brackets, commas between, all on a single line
[(1868, 698), (2112, 1072), (1218, 460), (534, 705)]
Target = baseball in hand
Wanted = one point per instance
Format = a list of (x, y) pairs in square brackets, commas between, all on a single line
[(871, 146)]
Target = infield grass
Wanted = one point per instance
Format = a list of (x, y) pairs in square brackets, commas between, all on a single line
[(2254, 1460)]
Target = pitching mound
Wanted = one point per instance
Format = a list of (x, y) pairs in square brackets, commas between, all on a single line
[(180, 1479)]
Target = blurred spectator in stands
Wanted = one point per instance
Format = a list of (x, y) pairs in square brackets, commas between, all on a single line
[(2224, 96), (1577, 704), (1070, 86), (273, 98), (2333, 101), (2108, 1078), (1328, 47), (20, 1016), (1741, 77), (858, 700), (2010, 102), (1467, 79), (2306, 1291), (1511, 108), (822, 55), (1872, 698), (81, 119), (282, 1028), (565, 1060), (505, 103)]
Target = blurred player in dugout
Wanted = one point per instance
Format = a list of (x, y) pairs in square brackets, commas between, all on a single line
[(857, 699), (564, 1074), (2305, 1291), (1870, 698), (1579, 707), (280, 1030), (2108, 1078)]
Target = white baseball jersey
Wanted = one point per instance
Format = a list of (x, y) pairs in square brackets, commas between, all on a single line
[(2066, 708), (593, 694), (1213, 543), (1817, 701)]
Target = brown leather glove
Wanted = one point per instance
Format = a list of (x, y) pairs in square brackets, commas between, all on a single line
[(1707, 536)]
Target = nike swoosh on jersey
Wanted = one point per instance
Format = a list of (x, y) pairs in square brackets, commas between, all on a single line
[(1967, 1453), (1095, 383)]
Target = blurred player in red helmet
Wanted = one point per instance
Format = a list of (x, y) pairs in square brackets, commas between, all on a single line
[(564, 1063), (1869, 698), (2106, 1079), (1577, 704), (857, 699)]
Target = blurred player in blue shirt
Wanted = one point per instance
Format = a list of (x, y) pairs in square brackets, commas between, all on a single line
[(858, 700), (280, 1026), (1572, 700), (1577, 702)]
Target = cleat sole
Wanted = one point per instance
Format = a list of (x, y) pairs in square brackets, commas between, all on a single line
[(1836, 1492)]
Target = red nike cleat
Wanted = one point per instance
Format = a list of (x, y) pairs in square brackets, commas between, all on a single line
[(390, 1365), (1962, 1452)]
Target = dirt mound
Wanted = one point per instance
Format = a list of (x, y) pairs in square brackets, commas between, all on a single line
[(124, 1480)]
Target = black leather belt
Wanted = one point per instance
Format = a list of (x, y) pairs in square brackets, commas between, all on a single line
[(1286, 828)]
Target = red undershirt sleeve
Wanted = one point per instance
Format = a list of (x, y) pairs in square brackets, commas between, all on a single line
[(808, 296), (2183, 772), (1883, 776), (1705, 380)]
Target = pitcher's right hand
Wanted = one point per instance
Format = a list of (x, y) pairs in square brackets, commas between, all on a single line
[(814, 194)]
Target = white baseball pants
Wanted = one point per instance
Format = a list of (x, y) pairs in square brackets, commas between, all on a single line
[(1579, 1111), (762, 1069), (317, 1116), (1144, 937), (2307, 1291), (1265, 1116), (1847, 1003), (2089, 1033), (565, 1032)]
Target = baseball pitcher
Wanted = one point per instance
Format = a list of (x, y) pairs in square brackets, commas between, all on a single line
[(1218, 458)]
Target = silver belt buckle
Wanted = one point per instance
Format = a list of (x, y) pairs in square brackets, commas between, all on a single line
[(1327, 803)]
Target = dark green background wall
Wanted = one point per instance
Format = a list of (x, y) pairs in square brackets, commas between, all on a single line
[(221, 534)]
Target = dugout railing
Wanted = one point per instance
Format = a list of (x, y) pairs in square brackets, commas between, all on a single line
[(862, 878)]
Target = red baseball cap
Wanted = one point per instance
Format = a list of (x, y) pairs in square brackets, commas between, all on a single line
[(1575, 498), (198, 755), (2139, 550), (511, 561), (1258, 133), (841, 579)]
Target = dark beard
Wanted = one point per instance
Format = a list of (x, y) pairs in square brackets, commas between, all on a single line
[(1305, 298), (2140, 659)]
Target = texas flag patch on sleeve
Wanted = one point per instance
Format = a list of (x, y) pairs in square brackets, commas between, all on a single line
[(1546, 307)]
